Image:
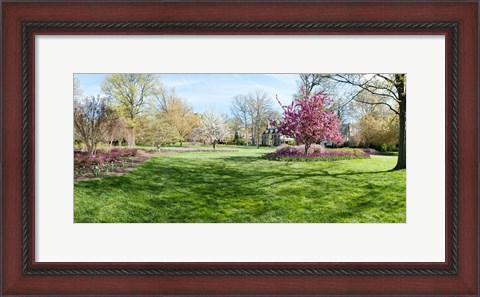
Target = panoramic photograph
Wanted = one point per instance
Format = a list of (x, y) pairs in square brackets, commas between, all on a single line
[(239, 148)]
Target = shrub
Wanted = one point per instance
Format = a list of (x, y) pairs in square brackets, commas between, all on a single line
[(384, 148), (115, 150), (293, 142), (129, 153), (346, 150), (101, 162), (326, 155), (370, 151), (287, 149), (314, 148)]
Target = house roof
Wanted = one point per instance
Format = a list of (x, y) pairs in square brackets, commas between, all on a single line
[(271, 131)]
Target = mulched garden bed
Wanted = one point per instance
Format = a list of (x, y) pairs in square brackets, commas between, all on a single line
[(106, 165)]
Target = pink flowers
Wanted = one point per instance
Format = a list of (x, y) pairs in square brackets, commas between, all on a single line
[(85, 163), (327, 155), (194, 149), (324, 154), (309, 120), (314, 148)]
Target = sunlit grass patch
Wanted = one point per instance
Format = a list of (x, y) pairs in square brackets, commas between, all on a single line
[(241, 187)]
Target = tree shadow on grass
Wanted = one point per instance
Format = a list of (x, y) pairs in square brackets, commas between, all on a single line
[(242, 159), (220, 190), (325, 165), (217, 179)]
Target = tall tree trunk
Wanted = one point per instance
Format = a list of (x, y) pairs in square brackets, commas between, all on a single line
[(131, 136), (253, 136), (214, 143), (402, 142), (246, 135)]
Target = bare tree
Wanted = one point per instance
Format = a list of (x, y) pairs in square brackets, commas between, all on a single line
[(91, 116), (388, 90), (114, 130), (260, 111), (240, 111), (316, 83), (77, 95), (358, 107)]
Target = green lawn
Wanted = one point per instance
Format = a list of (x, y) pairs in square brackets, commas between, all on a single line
[(239, 187)]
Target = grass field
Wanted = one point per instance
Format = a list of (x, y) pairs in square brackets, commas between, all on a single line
[(240, 187)]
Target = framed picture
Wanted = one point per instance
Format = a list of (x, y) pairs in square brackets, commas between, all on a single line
[(240, 148)]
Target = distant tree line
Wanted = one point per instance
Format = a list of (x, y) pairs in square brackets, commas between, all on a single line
[(252, 113), (136, 109), (139, 109)]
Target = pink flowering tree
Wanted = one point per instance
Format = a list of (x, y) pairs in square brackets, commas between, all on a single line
[(309, 120)]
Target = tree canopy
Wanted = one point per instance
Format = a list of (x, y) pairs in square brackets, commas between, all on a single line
[(309, 120), (130, 93)]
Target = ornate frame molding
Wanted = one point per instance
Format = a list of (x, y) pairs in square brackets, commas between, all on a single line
[(254, 28)]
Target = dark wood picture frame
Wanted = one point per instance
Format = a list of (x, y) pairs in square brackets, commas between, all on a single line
[(21, 275)]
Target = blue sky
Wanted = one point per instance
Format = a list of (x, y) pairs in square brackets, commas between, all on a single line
[(207, 91)]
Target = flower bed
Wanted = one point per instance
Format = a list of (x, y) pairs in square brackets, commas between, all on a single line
[(102, 163), (327, 155), (195, 149), (314, 148)]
